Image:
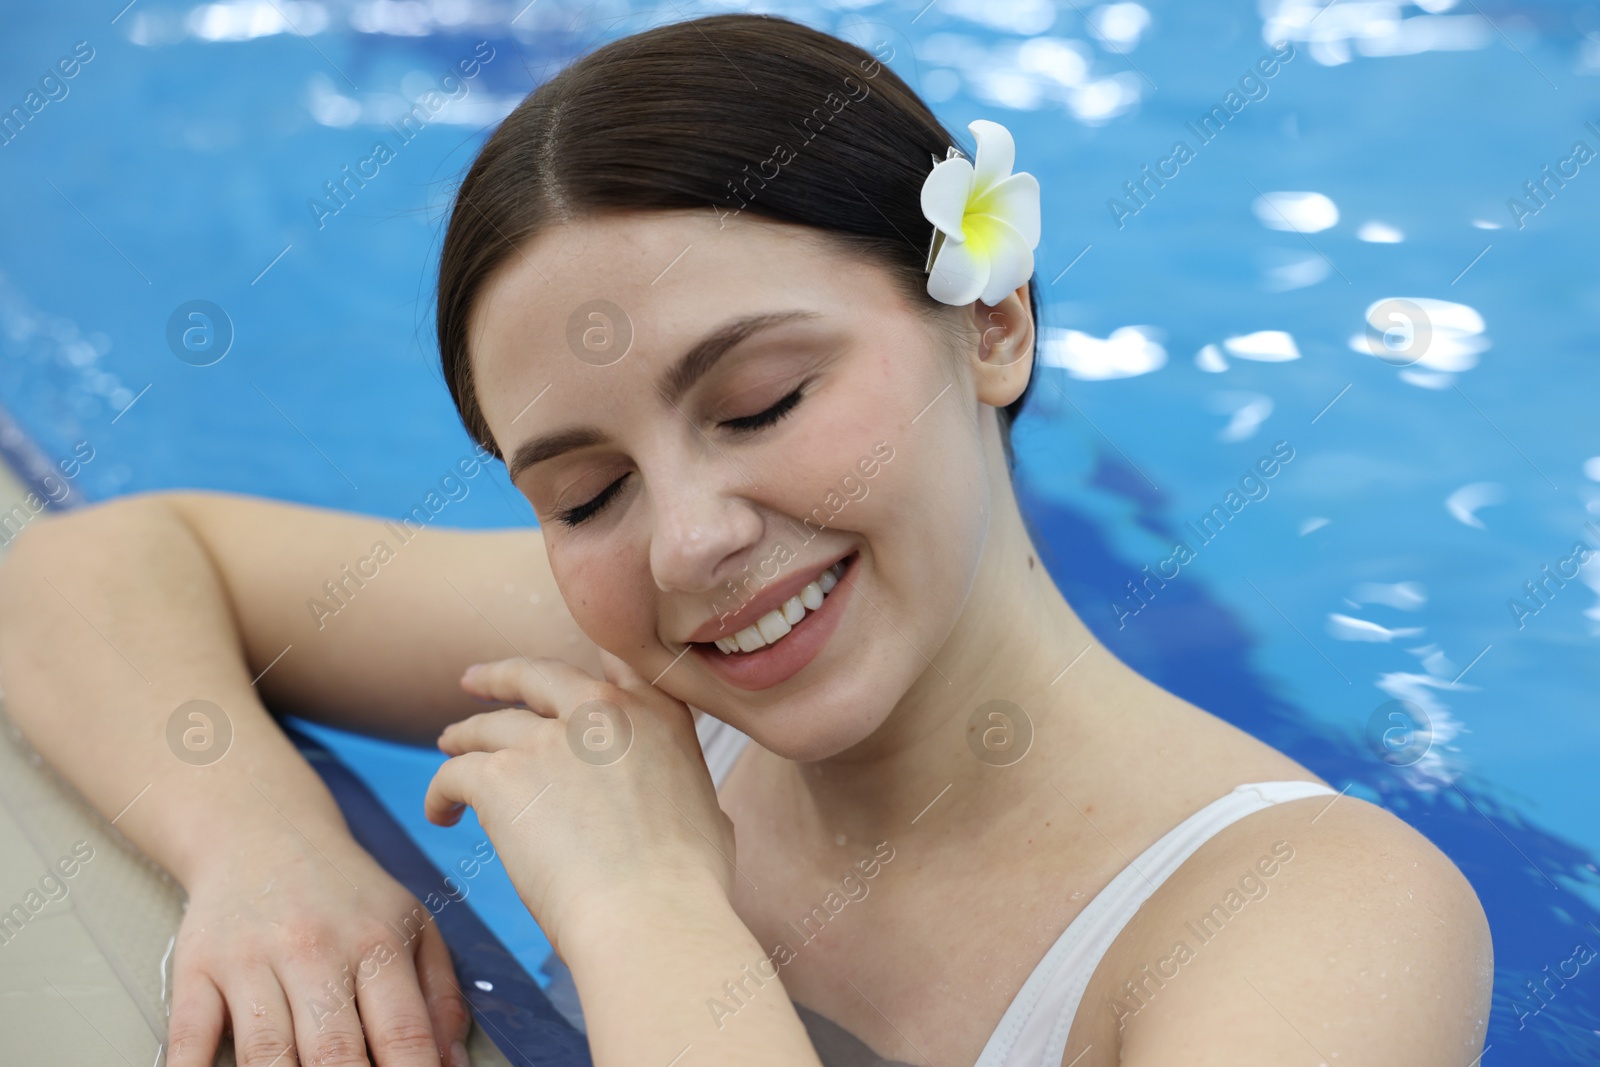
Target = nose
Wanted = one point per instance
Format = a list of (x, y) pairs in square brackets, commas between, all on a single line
[(701, 525)]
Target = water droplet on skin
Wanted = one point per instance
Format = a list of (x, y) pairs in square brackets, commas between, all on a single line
[(257, 1010), (487, 987), (1077, 894)]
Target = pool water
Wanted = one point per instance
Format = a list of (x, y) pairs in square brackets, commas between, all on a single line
[(1369, 270)]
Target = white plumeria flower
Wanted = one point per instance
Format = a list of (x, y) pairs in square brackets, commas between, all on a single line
[(986, 221)]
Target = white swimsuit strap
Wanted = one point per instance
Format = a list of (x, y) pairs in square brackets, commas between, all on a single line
[(1034, 1030), (721, 744)]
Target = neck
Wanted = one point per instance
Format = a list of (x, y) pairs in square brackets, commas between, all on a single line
[(965, 741)]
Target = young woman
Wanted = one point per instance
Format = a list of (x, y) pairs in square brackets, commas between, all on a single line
[(687, 293)]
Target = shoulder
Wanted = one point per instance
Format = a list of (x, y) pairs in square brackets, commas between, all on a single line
[(1323, 923)]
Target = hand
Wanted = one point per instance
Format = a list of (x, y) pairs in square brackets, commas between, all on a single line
[(309, 949), (594, 793)]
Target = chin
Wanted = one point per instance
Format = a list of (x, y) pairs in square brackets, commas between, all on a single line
[(801, 731)]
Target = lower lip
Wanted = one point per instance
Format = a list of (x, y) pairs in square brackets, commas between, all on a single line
[(766, 667)]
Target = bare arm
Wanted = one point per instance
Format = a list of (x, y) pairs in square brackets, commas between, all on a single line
[(380, 653), (113, 617)]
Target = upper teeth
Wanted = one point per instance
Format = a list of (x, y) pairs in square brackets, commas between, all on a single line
[(774, 624)]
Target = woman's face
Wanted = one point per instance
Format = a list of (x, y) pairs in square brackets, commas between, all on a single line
[(705, 418)]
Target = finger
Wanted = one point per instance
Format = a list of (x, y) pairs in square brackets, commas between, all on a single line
[(618, 672), (393, 1012), (490, 731), (545, 685), (327, 1023), (263, 1026), (453, 788), (623, 675), (197, 1017), (436, 973)]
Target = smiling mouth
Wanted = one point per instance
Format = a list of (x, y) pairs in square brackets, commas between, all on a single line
[(775, 625)]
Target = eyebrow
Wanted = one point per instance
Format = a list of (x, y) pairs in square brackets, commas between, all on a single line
[(677, 380)]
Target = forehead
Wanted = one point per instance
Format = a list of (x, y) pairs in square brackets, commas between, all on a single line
[(601, 301)]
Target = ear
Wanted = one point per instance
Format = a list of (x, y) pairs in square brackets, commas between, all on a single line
[(1002, 360)]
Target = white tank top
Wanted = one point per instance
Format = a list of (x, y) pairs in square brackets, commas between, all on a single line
[(1033, 1032)]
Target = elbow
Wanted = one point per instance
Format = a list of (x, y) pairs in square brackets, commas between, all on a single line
[(26, 548), (99, 535)]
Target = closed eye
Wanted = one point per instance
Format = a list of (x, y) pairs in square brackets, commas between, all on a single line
[(766, 418), (581, 513)]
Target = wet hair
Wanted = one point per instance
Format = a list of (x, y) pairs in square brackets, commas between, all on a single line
[(688, 116)]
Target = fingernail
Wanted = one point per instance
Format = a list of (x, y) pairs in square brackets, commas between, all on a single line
[(471, 672), (458, 1055)]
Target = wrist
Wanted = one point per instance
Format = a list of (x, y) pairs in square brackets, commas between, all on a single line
[(647, 965), (690, 906), (242, 834)]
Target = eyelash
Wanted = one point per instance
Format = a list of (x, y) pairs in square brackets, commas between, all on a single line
[(766, 418), (581, 513), (576, 516)]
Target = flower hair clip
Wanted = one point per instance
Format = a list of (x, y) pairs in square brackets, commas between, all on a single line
[(985, 219)]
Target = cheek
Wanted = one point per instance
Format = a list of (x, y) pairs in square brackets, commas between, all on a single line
[(601, 588), (937, 493), (822, 468), (926, 507)]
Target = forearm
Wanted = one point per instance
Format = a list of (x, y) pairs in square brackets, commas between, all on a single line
[(382, 616), (107, 626), (657, 977)]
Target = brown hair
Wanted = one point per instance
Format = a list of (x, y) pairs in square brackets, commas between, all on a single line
[(686, 116)]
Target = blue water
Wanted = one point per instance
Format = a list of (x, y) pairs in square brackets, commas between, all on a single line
[(1379, 565)]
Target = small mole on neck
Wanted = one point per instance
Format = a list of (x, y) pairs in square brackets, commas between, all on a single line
[(1030, 561)]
